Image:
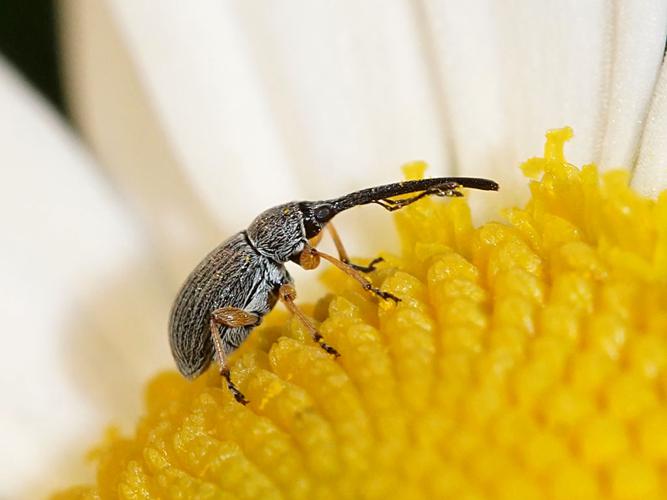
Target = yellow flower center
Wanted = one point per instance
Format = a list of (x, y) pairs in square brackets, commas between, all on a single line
[(527, 359)]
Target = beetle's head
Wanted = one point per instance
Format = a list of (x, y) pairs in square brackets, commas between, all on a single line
[(316, 215), (282, 232)]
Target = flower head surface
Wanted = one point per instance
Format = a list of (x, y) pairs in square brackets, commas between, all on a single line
[(527, 359)]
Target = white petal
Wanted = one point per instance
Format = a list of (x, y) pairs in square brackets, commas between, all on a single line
[(74, 291), (512, 71), (640, 30), (110, 104), (207, 92), (650, 174), (248, 102), (302, 99)]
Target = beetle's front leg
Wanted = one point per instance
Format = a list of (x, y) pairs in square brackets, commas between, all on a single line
[(446, 189), (231, 317), (348, 269)]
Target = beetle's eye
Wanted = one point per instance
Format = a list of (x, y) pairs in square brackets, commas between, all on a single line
[(323, 213)]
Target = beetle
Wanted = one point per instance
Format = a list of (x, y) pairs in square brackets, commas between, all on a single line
[(239, 282)]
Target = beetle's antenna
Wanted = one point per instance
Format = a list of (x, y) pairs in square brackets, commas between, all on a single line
[(438, 185)]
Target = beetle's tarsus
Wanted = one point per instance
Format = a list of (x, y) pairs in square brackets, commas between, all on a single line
[(389, 296), (238, 395), (369, 268), (383, 295), (317, 337)]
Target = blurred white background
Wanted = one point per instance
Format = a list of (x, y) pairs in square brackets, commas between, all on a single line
[(189, 118)]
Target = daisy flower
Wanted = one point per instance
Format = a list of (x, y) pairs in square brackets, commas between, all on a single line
[(520, 362)]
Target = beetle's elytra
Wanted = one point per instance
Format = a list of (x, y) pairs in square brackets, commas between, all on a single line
[(235, 285)]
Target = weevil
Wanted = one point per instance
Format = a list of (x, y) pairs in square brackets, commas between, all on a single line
[(239, 282)]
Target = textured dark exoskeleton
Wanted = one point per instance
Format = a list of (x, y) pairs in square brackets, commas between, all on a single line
[(230, 291)]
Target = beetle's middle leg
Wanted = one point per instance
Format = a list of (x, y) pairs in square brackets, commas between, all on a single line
[(309, 260), (232, 317), (344, 257), (287, 294)]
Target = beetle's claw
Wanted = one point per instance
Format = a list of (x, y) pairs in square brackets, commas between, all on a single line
[(330, 350), (238, 395), (451, 191), (241, 398)]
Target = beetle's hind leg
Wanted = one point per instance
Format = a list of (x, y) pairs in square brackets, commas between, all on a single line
[(231, 317), (287, 294), (447, 189)]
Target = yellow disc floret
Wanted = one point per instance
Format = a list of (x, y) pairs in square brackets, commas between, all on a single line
[(527, 359)]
